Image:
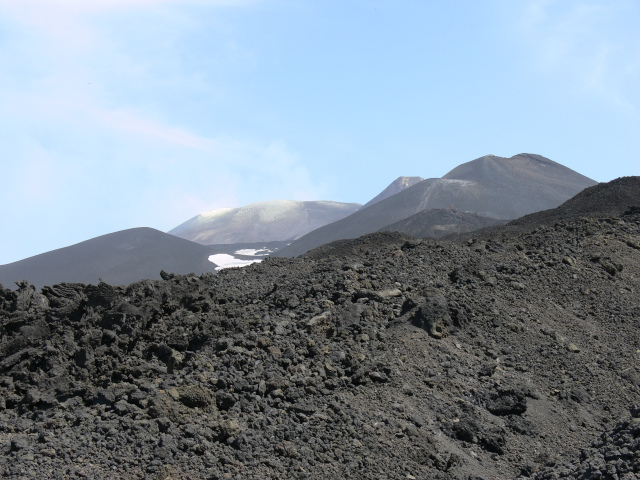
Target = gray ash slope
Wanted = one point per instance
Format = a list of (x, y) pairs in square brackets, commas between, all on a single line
[(490, 186), (117, 258), (382, 357)]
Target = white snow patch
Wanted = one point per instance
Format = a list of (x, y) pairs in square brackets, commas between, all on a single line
[(253, 252), (224, 260)]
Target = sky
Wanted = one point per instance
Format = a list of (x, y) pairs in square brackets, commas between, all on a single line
[(117, 114)]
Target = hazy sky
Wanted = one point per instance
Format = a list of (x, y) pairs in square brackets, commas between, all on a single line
[(125, 113)]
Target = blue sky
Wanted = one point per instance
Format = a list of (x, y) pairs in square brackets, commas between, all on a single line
[(123, 113)]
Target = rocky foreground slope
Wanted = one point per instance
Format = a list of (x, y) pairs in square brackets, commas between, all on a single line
[(383, 357)]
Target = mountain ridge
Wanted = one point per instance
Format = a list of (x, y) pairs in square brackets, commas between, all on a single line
[(108, 258), (273, 220), (495, 187)]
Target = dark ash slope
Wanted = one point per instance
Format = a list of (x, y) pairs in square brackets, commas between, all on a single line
[(117, 258), (617, 197), (612, 198), (439, 222), (384, 357)]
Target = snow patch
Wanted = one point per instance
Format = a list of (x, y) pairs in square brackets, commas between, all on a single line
[(224, 260), (253, 252)]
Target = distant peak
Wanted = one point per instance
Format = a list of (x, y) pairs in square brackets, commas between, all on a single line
[(406, 181), (265, 221), (398, 185), (533, 156)]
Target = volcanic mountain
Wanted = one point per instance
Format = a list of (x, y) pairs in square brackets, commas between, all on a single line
[(116, 258), (490, 186), (277, 220)]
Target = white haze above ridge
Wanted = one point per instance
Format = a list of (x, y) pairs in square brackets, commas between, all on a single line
[(267, 210)]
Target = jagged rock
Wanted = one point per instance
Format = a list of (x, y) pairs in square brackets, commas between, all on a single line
[(196, 396), (433, 314), (507, 402), (321, 325)]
